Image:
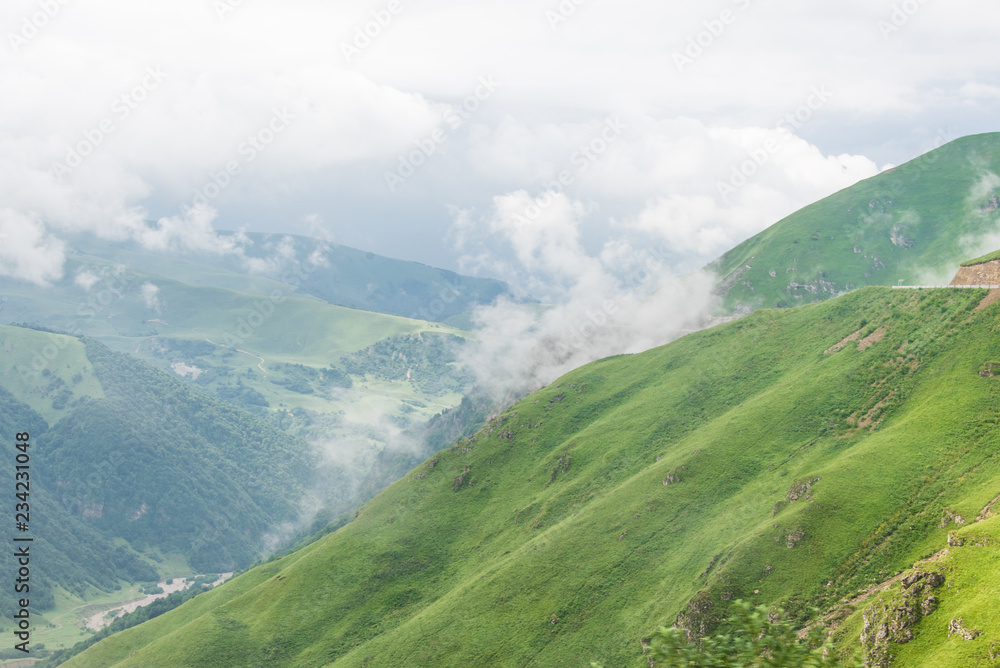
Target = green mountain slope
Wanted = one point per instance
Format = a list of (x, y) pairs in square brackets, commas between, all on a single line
[(794, 457), (121, 461), (912, 224), (939, 614), (68, 552), (133, 468)]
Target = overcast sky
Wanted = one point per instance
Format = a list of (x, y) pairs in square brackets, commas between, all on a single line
[(439, 130)]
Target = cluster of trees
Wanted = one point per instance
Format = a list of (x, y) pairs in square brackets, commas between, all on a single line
[(428, 361), (154, 462), (162, 465), (307, 380), (67, 551), (241, 395)]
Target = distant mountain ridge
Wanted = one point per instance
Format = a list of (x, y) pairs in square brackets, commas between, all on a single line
[(337, 274), (923, 217)]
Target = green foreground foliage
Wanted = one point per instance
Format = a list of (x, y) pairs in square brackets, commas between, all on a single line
[(794, 459), (760, 638)]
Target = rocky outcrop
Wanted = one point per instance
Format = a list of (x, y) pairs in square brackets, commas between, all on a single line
[(890, 620), (986, 273), (956, 628), (801, 490), (730, 281), (948, 516), (562, 466), (899, 239), (697, 620)]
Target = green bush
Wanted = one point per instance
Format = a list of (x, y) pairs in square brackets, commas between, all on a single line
[(757, 639)]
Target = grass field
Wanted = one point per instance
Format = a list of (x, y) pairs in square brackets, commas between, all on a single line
[(989, 257), (69, 371), (793, 458)]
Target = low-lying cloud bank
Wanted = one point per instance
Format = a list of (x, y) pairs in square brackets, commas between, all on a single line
[(625, 299)]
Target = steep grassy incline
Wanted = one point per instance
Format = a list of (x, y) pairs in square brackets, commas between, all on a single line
[(941, 613), (912, 224), (792, 457)]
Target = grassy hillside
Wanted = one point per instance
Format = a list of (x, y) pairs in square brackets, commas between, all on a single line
[(913, 224), (261, 341), (939, 614), (237, 344), (989, 257), (794, 457), (282, 327), (48, 394)]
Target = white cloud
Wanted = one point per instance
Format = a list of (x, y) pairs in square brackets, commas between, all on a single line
[(191, 231), (698, 188), (624, 299), (27, 251), (280, 255), (86, 279), (976, 90), (755, 177), (222, 79), (151, 295)]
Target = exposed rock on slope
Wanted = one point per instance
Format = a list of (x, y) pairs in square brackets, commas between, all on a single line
[(891, 619), (987, 273)]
